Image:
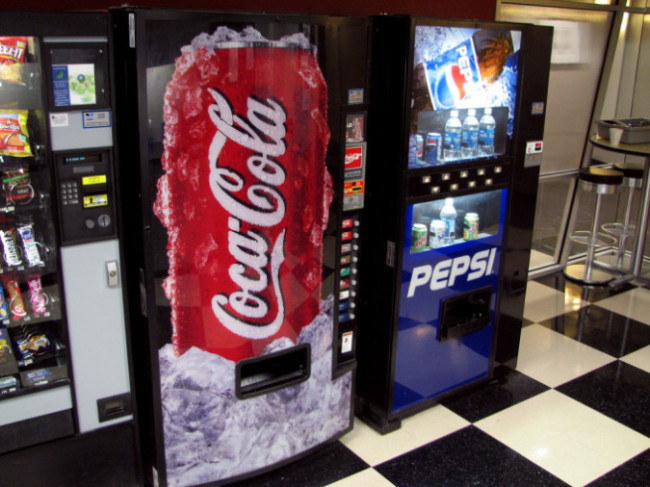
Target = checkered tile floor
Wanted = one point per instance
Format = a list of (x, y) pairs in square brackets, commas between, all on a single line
[(576, 411)]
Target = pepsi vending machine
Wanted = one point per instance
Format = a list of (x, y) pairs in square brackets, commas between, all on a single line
[(455, 141), (243, 228)]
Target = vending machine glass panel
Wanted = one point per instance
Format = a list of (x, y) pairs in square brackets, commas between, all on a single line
[(463, 93)]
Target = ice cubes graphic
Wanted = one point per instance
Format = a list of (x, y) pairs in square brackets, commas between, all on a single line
[(211, 435)]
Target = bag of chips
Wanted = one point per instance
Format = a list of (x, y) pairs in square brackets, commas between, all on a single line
[(12, 58), (14, 136)]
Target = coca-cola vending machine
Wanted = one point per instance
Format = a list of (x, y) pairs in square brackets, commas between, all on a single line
[(455, 142), (244, 163)]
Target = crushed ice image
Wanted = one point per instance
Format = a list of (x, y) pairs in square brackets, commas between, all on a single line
[(212, 435)]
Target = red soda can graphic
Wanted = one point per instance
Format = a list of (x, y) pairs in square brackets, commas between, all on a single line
[(245, 195)]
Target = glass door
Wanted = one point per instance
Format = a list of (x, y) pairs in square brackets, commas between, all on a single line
[(33, 351)]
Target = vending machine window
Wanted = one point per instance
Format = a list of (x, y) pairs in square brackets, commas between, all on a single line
[(464, 93)]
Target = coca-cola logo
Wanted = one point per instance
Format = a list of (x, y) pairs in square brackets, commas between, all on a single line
[(353, 157), (245, 312)]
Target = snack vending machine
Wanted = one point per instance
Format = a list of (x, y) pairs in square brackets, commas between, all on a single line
[(243, 230), (64, 362), (455, 141)]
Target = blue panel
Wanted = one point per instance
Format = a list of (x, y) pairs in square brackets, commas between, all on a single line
[(427, 365)]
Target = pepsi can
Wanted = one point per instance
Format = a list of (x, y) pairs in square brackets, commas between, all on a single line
[(416, 149), (433, 147), (419, 149)]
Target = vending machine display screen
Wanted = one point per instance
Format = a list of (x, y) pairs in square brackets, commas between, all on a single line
[(464, 90)]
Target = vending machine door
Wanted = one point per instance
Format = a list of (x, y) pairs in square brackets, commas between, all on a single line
[(238, 243), (450, 278)]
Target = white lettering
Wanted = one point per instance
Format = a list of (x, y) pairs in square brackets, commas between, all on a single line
[(440, 275), (447, 272), (478, 265), (420, 276), (263, 132), (458, 268)]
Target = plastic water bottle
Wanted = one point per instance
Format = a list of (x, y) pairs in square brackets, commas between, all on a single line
[(448, 216), (469, 139), (453, 129), (486, 133)]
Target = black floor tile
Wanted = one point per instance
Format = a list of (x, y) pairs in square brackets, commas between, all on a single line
[(635, 472), (326, 465), (103, 458), (586, 293), (494, 396), (526, 322), (467, 457), (604, 330), (617, 390)]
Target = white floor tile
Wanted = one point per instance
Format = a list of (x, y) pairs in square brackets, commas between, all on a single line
[(544, 302), (418, 430), (640, 359), (634, 304), (572, 441), (553, 359), (365, 478)]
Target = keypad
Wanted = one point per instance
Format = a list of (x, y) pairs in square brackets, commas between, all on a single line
[(69, 193)]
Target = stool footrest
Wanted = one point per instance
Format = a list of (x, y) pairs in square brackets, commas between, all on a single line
[(585, 237), (618, 229)]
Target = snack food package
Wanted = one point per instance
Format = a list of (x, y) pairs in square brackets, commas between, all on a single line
[(12, 58), (30, 246), (16, 304), (4, 311), (17, 184), (37, 297), (14, 134), (10, 250), (246, 192)]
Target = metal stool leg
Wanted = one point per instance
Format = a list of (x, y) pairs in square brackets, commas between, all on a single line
[(586, 273)]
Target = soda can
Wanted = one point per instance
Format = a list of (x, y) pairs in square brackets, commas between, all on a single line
[(416, 149), (433, 147), (246, 136), (470, 230), (437, 230), (419, 149), (419, 235)]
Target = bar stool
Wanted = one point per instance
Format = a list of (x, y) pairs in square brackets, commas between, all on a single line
[(601, 181), (633, 180)]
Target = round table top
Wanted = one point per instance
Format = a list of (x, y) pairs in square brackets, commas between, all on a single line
[(634, 149)]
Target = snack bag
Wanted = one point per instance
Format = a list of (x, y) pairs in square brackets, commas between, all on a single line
[(12, 58), (17, 185), (14, 136)]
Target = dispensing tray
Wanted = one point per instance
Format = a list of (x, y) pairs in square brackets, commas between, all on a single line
[(635, 130)]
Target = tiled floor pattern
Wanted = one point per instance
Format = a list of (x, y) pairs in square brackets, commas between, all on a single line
[(576, 411)]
